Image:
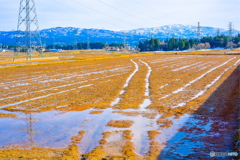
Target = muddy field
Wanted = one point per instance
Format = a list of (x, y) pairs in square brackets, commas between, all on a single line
[(136, 107)]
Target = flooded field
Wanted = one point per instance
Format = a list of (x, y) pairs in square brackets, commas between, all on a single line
[(141, 107)]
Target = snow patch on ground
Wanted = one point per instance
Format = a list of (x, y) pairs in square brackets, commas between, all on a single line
[(207, 87), (147, 101), (17, 103), (182, 88)]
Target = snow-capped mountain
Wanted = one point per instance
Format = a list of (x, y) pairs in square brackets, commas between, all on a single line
[(179, 30), (67, 35)]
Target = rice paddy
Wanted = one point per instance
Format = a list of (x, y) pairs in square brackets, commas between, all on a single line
[(132, 107)]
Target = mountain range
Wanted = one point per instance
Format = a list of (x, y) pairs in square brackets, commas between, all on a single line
[(68, 35)]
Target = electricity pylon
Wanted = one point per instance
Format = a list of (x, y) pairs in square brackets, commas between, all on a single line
[(27, 29), (230, 35), (198, 35)]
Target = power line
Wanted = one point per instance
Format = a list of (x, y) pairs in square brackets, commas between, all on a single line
[(152, 9), (103, 13), (121, 10), (135, 10), (85, 13), (112, 7)]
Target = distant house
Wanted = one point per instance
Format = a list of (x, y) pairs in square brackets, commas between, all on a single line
[(112, 49), (55, 50)]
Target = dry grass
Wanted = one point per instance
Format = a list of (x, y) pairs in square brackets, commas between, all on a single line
[(133, 114), (96, 112), (96, 154), (134, 94), (127, 135), (7, 115), (70, 153), (120, 123), (165, 123), (105, 89), (77, 138), (153, 134)]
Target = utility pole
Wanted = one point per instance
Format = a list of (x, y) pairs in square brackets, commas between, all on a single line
[(230, 35), (198, 35), (53, 42), (218, 32), (27, 20), (75, 39), (124, 41), (150, 37), (88, 45), (44, 45)]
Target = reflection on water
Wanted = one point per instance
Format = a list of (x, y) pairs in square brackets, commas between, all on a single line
[(55, 129)]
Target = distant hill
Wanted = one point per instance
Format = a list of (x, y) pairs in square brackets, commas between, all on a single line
[(65, 35)]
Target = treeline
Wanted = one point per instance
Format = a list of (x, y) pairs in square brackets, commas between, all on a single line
[(8, 46), (81, 45), (221, 41), (115, 45)]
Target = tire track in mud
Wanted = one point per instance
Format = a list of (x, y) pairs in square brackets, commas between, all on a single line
[(139, 136), (117, 100)]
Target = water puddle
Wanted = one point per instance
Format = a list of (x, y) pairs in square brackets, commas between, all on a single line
[(55, 129)]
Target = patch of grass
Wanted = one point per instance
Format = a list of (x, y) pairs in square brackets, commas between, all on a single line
[(7, 115), (96, 112), (77, 138), (152, 134), (120, 123)]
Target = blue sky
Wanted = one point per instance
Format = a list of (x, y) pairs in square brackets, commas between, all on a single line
[(125, 14)]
